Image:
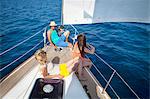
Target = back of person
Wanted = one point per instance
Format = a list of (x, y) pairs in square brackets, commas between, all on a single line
[(81, 47), (56, 40), (76, 52), (53, 69), (54, 36)]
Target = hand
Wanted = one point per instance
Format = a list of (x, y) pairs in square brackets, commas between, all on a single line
[(70, 45), (91, 49), (53, 45), (86, 59), (60, 76)]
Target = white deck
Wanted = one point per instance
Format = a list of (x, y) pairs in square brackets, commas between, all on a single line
[(22, 90)]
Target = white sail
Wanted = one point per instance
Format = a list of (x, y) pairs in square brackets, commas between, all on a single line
[(97, 11)]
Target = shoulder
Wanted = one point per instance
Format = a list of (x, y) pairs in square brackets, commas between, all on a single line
[(49, 31), (55, 31), (76, 44), (75, 48), (42, 67)]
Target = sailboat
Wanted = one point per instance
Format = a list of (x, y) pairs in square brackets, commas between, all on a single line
[(21, 82)]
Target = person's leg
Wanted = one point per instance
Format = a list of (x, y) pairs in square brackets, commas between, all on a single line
[(66, 34), (62, 37), (72, 64), (87, 64), (61, 43), (73, 67), (80, 69), (83, 63), (72, 61)]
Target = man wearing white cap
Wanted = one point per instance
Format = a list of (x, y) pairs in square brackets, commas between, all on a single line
[(54, 39)]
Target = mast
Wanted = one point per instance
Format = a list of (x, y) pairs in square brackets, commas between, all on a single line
[(62, 12)]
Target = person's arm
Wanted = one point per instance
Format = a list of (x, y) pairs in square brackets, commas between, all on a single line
[(54, 76), (91, 50), (43, 71), (49, 37)]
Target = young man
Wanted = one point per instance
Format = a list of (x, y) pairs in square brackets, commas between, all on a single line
[(62, 31), (55, 39)]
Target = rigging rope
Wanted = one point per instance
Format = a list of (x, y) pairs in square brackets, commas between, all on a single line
[(117, 75), (20, 42), (74, 28), (104, 78), (20, 56), (127, 85), (112, 69), (104, 62), (76, 31)]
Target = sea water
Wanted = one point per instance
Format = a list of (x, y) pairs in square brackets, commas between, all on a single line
[(125, 46)]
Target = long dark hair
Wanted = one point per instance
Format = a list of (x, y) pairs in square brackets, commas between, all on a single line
[(81, 43)]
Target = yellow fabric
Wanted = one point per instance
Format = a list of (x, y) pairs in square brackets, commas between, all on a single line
[(63, 70)]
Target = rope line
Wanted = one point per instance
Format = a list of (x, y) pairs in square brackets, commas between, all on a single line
[(118, 75), (111, 77), (127, 85), (74, 28), (20, 42), (110, 68), (76, 31), (104, 78), (105, 62), (20, 56)]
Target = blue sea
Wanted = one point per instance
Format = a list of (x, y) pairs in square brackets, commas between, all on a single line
[(125, 46)]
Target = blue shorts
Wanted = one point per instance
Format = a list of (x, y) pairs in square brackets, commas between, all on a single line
[(61, 42)]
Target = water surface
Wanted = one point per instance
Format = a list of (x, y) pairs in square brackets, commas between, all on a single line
[(123, 45)]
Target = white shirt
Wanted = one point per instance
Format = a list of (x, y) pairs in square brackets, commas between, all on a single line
[(53, 69)]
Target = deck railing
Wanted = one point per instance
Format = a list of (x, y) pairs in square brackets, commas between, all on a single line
[(23, 55), (73, 38), (112, 75)]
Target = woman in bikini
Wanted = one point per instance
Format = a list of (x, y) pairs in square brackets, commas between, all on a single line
[(79, 50)]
